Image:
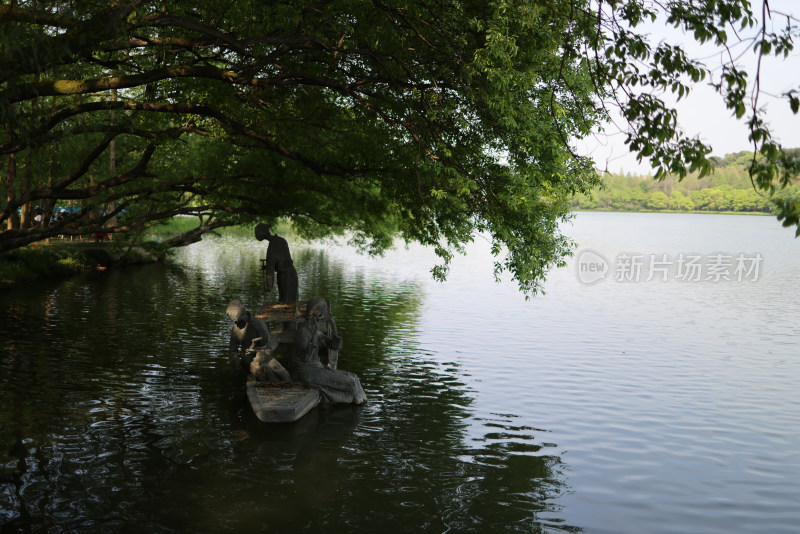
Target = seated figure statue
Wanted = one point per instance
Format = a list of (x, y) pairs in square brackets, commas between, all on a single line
[(251, 335), (319, 331)]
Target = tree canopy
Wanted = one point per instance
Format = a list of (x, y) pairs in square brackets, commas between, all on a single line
[(427, 120)]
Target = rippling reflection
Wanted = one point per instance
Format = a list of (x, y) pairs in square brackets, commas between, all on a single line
[(617, 407), (117, 412)]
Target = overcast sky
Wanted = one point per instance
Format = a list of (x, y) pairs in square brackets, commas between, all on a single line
[(704, 114)]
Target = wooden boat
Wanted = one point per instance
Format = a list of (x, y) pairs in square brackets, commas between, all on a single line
[(282, 402)]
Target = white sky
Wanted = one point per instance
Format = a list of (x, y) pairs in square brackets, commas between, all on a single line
[(703, 113)]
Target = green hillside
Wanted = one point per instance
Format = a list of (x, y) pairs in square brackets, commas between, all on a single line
[(727, 189)]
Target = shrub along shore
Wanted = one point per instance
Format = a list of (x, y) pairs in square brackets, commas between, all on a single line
[(61, 259)]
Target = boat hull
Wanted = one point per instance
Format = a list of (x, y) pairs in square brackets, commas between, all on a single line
[(281, 404)]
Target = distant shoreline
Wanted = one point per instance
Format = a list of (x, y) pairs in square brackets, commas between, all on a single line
[(685, 212)]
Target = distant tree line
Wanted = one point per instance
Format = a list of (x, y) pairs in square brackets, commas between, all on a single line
[(728, 188)]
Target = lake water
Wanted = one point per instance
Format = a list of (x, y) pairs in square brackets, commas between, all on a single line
[(653, 388)]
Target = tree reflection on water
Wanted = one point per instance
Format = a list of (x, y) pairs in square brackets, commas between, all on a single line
[(118, 412)]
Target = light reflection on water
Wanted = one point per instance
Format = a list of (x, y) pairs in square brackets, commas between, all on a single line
[(649, 407)]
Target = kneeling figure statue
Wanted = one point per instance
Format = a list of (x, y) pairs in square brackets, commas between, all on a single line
[(251, 335)]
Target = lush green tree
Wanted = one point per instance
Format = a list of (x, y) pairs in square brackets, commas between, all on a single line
[(658, 201), (789, 195), (431, 120), (427, 120), (701, 199), (584, 201), (679, 201)]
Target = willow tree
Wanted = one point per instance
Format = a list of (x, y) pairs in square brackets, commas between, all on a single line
[(427, 120)]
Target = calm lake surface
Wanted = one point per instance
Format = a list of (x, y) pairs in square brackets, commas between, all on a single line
[(653, 389)]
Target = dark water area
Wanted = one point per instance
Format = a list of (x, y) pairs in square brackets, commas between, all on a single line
[(118, 414), (642, 406)]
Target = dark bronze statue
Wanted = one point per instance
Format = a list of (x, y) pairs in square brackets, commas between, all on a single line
[(278, 259), (319, 332), (250, 334)]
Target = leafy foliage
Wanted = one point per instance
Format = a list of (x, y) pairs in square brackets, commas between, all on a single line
[(636, 75), (424, 120)]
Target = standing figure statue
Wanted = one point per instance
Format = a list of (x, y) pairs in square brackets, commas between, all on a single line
[(319, 332), (278, 259), (250, 334)]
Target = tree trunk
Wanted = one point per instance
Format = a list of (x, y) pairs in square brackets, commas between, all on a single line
[(13, 219), (112, 163), (26, 219)]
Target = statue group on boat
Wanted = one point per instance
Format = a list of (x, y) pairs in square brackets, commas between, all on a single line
[(298, 359)]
